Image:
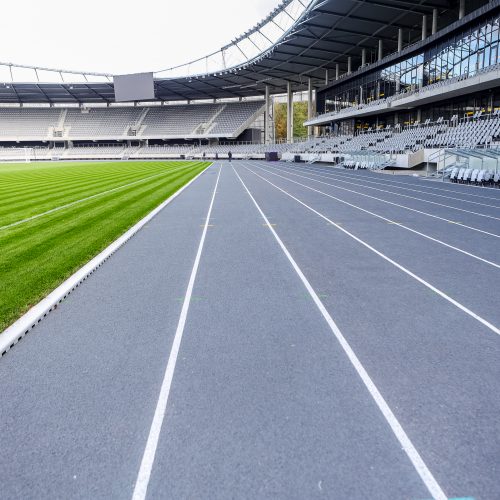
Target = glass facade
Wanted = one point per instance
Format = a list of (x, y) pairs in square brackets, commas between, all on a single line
[(465, 53)]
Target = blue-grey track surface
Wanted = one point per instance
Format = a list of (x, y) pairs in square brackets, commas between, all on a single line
[(264, 401)]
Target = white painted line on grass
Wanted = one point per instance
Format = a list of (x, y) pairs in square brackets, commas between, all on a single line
[(25, 323), (457, 304), (142, 482), (390, 221), (407, 445), (398, 205), (76, 202)]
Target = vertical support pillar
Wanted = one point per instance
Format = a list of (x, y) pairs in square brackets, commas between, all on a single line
[(400, 39), (461, 9), (380, 49), (309, 106), (434, 21), (363, 57), (289, 113), (326, 77), (424, 27), (349, 65), (266, 117), (337, 71)]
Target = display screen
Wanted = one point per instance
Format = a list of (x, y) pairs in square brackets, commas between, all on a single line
[(135, 87)]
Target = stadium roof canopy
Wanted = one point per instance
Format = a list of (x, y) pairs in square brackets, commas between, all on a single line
[(298, 40)]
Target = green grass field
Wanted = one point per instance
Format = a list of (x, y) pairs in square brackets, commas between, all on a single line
[(89, 205)]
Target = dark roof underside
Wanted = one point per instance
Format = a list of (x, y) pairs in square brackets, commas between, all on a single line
[(328, 34)]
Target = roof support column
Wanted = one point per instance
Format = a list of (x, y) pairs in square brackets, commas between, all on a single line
[(309, 106), (434, 21), (289, 113), (349, 65), (424, 27), (461, 9), (266, 117), (380, 49), (363, 57), (400, 39), (337, 71), (326, 76)]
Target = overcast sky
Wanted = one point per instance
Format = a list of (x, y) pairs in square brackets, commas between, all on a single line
[(121, 36)]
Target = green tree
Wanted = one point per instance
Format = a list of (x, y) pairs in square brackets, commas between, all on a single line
[(299, 117)]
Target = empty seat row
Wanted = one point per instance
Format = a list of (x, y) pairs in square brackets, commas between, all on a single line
[(478, 177)]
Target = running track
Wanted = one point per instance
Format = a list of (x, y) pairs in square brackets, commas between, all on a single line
[(278, 331)]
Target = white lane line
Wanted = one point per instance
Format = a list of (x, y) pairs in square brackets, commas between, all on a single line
[(397, 205), (142, 482), (76, 202), (410, 197), (407, 445), (335, 175), (393, 182), (457, 304), (390, 221)]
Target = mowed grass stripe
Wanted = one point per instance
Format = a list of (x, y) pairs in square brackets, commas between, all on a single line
[(14, 218), (43, 233), (43, 174), (37, 256), (60, 185), (52, 194), (29, 171), (31, 183), (56, 183)]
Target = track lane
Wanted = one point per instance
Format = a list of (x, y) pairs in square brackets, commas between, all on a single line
[(473, 218), (264, 402), (413, 255), (470, 238), (431, 187), (79, 391), (437, 368), (288, 176)]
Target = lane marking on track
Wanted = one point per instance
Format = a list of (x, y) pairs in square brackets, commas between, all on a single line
[(76, 202), (437, 291), (407, 445), (389, 221), (142, 482), (378, 199), (393, 182), (403, 195), (335, 175)]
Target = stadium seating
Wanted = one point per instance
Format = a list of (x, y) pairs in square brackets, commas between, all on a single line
[(27, 123), (155, 122), (99, 122)]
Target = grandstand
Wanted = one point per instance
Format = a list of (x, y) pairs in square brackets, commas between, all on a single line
[(226, 120), (425, 84), (221, 309)]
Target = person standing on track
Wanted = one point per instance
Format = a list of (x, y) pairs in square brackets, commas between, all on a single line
[(230, 155)]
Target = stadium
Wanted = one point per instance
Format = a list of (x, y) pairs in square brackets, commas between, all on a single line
[(269, 272)]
